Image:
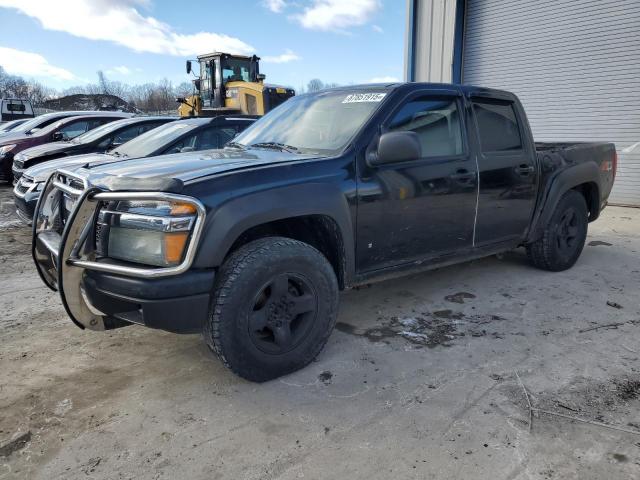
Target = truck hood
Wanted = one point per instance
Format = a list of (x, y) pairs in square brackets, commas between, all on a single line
[(169, 172), (42, 171)]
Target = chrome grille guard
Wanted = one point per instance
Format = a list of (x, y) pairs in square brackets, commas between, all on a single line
[(63, 241)]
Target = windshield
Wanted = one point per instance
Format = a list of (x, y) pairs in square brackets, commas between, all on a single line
[(149, 142), (33, 123), (236, 70), (321, 123), (5, 127)]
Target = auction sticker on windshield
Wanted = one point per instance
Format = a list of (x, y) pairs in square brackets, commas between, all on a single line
[(364, 97)]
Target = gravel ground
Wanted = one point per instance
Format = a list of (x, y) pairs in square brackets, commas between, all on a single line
[(425, 377)]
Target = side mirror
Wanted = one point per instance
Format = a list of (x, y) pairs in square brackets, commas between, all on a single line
[(188, 67), (57, 136), (187, 149), (260, 77), (396, 147)]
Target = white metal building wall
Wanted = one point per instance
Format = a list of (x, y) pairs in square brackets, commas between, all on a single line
[(575, 66), (435, 27)]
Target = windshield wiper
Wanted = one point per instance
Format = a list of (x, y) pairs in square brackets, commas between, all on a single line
[(275, 145), (235, 145), (115, 153)]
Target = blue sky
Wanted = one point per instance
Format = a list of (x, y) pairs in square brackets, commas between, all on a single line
[(63, 43)]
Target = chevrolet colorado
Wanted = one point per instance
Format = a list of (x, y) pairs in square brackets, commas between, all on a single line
[(251, 244)]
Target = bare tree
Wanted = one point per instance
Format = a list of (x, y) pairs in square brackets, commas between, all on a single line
[(185, 89), (315, 85)]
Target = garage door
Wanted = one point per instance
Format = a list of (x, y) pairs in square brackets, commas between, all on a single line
[(575, 66)]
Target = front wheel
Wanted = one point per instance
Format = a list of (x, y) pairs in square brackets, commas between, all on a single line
[(564, 235), (274, 306)]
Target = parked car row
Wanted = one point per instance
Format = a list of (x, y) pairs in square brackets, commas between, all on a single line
[(50, 127), (115, 141)]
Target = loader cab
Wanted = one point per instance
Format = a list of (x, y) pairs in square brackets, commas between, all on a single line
[(217, 70), (230, 84)]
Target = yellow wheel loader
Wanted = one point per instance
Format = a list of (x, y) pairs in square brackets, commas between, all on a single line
[(230, 84)]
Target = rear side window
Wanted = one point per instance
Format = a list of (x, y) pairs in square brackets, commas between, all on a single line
[(214, 137), (497, 125), (126, 134), (73, 129), (436, 121), (145, 127)]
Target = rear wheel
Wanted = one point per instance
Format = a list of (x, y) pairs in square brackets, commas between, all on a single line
[(564, 235), (273, 309)]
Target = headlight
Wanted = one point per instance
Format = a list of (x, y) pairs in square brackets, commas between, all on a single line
[(145, 231), (6, 149)]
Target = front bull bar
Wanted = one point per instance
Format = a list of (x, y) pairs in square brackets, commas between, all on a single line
[(61, 259)]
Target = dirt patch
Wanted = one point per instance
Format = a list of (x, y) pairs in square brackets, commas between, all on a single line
[(459, 297), (427, 329), (325, 377), (14, 445), (600, 401), (596, 243), (628, 389)]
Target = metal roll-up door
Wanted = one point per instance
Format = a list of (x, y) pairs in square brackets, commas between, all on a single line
[(575, 66)]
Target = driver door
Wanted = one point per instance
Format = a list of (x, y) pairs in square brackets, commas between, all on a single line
[(423, 208)]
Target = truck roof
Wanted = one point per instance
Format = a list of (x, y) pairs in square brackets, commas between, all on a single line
[(409, 86)]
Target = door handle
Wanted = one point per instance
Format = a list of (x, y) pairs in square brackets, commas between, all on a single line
[(524, 169)]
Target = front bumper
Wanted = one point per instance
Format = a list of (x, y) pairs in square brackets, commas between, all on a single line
[(6, 163), (177, 304), (100, 294), (17, 172), (25, 198)]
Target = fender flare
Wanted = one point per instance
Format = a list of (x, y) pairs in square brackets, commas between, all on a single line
[(226, 222), (559, 185)]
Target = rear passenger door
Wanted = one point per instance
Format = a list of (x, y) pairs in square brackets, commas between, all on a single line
[(508, 174), (73, 129), (423, 208)]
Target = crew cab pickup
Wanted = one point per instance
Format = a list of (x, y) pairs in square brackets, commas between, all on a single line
[(251, 244)]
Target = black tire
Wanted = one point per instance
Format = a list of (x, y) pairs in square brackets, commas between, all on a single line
[(265, 289), (564, 235)]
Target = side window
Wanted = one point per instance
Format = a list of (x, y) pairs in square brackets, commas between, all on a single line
[(436, 121), (214, 137), (188, 142), (126, 134), (95, 123), (240, 126), (497, 125), (145, 127), (73, 129)]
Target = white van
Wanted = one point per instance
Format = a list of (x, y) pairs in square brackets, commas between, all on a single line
[(15, 109)]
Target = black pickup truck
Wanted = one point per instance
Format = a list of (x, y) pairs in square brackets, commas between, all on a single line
[(251, 244)]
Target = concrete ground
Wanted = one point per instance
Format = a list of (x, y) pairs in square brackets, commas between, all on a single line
[(420, 380)]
